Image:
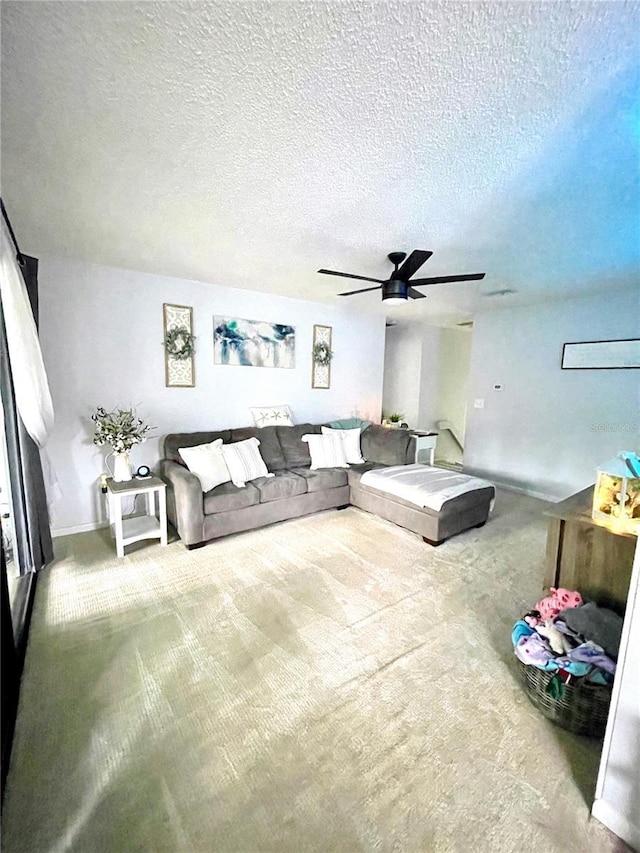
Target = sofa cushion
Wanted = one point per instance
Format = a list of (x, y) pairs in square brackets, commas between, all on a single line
[(284, 484), (350, 442), (296, 452), (350, 423), (190, 439), (356, 471), (207, 463), (270, 449), (227, 497), (244, 461), (385, 446), (264, 416), (324, 478), (327, 451)]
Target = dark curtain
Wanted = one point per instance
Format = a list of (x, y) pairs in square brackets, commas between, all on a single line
[(21, 546), (31, 517), (10, 675)]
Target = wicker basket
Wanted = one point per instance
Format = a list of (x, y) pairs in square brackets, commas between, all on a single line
[(583, 709)]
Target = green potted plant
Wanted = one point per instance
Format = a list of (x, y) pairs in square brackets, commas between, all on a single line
[(394, 419)]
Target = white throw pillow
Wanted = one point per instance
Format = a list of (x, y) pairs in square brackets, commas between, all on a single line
[(207, 463), (351, 443), (244, 461), (271, 416), (327, 451)]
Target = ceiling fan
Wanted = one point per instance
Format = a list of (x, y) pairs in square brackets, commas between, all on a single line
[(398, 288)]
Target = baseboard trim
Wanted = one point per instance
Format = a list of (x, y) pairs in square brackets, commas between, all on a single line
[(523, 490), (78, 528), (87, 528), (510, 486), (616, 822)]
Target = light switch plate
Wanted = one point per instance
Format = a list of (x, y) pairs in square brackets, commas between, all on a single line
[(479, 403)]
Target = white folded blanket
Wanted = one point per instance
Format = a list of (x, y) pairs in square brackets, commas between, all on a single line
[(423, 485)]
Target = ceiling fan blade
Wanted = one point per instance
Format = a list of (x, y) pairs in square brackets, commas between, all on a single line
[(364, 289), (349, 275), (415, 294), (443, 279), (412, 264)]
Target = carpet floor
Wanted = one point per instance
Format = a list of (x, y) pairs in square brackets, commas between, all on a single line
[(326, 684)]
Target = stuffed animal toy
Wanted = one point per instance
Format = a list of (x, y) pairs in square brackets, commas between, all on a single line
[(560, 599), (558, 642), (532, 618)]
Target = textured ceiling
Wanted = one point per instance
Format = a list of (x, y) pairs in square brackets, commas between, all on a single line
[(249, 144)]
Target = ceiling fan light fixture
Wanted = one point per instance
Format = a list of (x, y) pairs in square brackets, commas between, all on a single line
[(394, 292), (401, 286)]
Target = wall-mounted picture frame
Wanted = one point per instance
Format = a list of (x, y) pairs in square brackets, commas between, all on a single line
[(321, 356), (253, 343), (622, 354), (179, 372)]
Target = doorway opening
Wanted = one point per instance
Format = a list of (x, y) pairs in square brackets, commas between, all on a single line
[(426, 373)]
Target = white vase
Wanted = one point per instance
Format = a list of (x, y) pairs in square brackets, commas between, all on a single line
[(121, 467)]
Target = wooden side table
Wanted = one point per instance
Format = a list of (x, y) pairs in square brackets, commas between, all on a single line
[(585, 554), (149, 526), (425, 444)]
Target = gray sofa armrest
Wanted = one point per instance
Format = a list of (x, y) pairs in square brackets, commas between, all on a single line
[(387, 446), (185, 505)]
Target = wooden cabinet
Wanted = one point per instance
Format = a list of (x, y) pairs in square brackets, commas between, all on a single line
[(586, 555)]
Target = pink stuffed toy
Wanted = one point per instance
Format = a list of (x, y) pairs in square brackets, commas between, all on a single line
[(560, 599)]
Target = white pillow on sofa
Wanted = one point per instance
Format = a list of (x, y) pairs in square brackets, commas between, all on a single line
[(244, 461), (271, 415), (207, 463), (351, 443), (327, 451)]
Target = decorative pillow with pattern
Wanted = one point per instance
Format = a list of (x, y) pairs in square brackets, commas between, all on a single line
[(351, 442), (271, 416), (327, 451), (207, 463), (244, 461)]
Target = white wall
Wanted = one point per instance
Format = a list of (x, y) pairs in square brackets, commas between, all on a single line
[(402, 368), (429, 377), (101, 331), (454, 357), (550, 428), (425, 377), (411, 373), (618, 789)]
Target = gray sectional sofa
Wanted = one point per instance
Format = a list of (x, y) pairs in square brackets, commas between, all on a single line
[(294, 490), (297, 490)]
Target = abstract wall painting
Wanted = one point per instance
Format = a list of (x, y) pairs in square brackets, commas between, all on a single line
[(253, 343)]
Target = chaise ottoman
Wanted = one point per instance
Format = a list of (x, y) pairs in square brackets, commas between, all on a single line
[(432, 502)]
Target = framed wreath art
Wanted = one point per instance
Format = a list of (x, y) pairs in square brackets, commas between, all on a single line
[(179, 343), (321, 355), (178, 346)]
